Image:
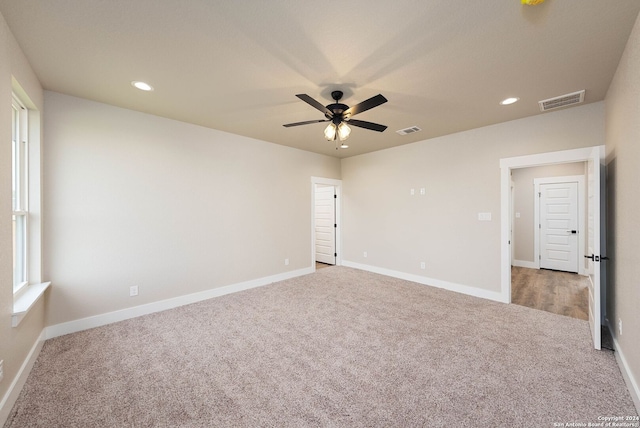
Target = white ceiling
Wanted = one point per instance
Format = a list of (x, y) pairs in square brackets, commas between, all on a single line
[(236, 65)]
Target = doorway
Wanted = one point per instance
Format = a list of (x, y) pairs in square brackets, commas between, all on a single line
[(547, 223), (326, 224), (558, 231), (559, 220), (594, 158)]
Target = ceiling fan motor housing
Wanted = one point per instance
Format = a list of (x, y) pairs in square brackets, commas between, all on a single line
[(336, 108)]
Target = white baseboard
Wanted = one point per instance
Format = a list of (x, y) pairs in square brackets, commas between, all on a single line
[(149, 308), (525, 264), (458, 288), (13, 392), (629, 380)]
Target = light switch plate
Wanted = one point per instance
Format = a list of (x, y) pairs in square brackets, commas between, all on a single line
[(484, 216)]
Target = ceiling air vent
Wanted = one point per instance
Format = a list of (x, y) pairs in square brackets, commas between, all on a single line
[(562, 101), (409, 130)]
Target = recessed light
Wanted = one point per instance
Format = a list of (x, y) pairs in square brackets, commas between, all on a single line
[(344, 146), (508, 101), (143, 86)]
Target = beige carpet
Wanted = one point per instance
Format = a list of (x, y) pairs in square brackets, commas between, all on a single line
[(338, 348)]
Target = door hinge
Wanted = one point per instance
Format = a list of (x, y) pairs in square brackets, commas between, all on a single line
[(539, 194), (335, 254), (335, 225), (539, 226), (539, 257), (335, 196)]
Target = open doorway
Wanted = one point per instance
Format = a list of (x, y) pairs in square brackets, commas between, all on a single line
[(326, 222), (325, 225), (593, 157), (548, 217)]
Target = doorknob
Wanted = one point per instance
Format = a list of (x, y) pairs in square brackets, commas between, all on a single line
[(573, 231), (589, 257)]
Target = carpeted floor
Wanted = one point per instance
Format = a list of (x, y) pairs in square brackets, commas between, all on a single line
[(337, 348)]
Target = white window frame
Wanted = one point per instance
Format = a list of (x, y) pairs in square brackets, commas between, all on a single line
[(20, 193), (28, 286)]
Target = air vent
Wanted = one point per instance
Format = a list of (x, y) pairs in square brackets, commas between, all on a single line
[(562, 101), (409, 130)]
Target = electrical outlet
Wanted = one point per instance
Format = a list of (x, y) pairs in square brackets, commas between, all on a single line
[(412, 192), (365, 255), (1, 370), (619, 326), (133, 290), (286, 262), (423, 265), (423, 191)]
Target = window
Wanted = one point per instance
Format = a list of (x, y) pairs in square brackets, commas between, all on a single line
[(20, 197), (26, 196)]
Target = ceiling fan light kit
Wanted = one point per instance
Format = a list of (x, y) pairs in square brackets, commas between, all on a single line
[(330, 132), (341, 131), (339, 115)]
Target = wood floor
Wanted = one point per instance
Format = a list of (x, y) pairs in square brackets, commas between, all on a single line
[(561, 293), (322, 265)]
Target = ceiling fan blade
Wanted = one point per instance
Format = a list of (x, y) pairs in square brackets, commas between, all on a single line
[(365, 105), (307, 122), (367, 125), (315, 104)]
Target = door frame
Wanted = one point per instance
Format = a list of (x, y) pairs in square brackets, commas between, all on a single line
[(581, 216), (337, 184), (512, 212), (506, 165)]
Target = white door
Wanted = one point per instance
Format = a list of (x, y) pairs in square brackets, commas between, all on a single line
[(325, 220), (595, 193), (559, 226)]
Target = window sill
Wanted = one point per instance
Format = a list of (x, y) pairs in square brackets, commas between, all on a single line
[(26, 300)]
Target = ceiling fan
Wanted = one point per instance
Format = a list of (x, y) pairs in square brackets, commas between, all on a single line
[(340, 114)]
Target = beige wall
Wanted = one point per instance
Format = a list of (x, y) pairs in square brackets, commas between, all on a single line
[(15, 343), (174, 208), (623, 213), (461, 177), (524, 202)]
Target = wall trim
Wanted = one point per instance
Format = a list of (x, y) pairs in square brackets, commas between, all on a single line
[(627, 375), (525, 264), (162, 305), (432, 282), (15, 388)]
